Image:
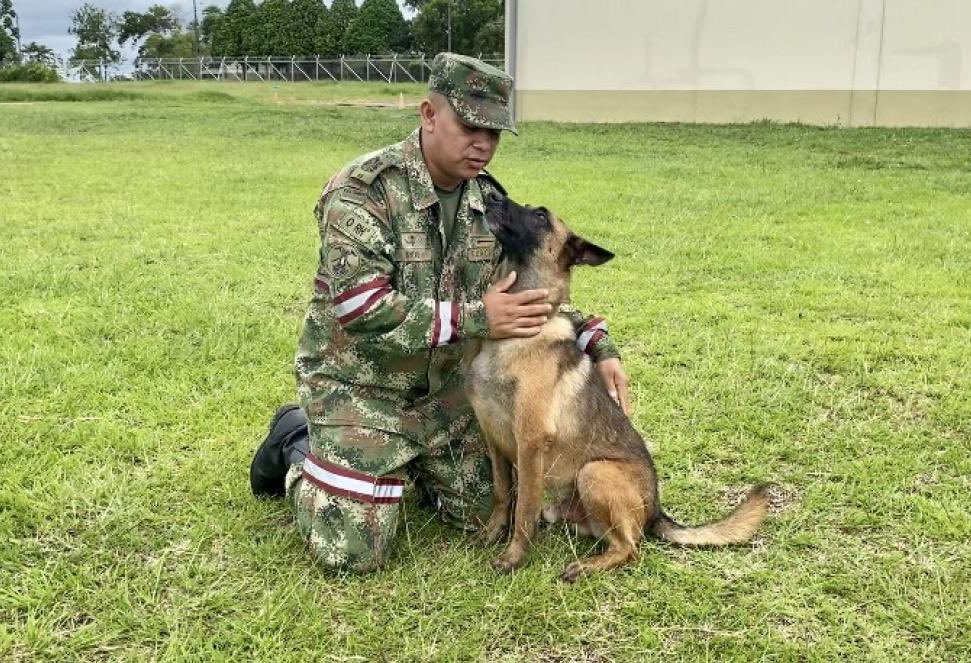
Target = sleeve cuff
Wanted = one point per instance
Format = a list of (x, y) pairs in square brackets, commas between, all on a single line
[(474, 323), (604, 349)]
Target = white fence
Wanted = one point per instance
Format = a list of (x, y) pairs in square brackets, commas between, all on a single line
[(384, 68)]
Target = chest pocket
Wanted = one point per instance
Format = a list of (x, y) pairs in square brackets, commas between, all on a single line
[(481, 257), (413, 257)]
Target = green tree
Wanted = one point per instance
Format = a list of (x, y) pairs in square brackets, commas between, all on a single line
[(8, 49), (342, 14), (326, 40), (272, 20), (306, 17), (158, 23), (9, 33), (378, 28), (211, 16), (178, 44), (96, 30), (236, 33), (477, 26), (491, 38), (34, 52)]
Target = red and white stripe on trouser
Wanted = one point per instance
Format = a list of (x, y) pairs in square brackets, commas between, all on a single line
[(445, 325), (338, 480), (591, 333), (357, 301)]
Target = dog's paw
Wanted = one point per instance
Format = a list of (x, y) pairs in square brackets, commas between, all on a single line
[(572, 572), (507, 563)]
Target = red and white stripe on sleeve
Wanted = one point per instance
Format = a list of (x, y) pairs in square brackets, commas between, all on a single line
[(357, 301), (445, 324), (591, 333), (338, 480)]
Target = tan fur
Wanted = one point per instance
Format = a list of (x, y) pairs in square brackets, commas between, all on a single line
[(544, 411), (737, 527)]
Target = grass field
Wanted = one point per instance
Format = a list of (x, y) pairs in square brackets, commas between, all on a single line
[(793, 304)]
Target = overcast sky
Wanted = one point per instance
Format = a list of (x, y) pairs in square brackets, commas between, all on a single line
[(47, 21)]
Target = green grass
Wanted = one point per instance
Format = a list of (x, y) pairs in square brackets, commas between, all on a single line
[(792, 304)]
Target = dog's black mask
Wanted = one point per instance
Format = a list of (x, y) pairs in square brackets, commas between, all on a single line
[(520, 229)]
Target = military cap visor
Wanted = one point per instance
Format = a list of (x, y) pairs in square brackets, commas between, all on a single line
[(483, 112)]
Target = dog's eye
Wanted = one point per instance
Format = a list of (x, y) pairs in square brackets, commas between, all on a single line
[(541, 214)]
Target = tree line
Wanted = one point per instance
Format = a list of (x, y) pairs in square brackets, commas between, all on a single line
[(273, 27)]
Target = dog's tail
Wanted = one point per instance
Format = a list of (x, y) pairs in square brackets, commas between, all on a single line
[(736, 527)]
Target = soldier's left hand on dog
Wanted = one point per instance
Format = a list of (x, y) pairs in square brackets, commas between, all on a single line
[(615, 379)]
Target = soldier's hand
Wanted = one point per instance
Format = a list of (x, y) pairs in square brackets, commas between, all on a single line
[(516, 315), (615, 379)]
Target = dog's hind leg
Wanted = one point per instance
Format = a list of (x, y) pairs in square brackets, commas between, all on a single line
[(614, 504)]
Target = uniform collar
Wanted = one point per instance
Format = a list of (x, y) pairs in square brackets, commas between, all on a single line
[(474, 195), (420, 180)]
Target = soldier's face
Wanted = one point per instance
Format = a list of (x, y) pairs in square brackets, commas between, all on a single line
[(451, 147)]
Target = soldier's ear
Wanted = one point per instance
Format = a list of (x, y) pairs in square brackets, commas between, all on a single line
[(427, 112), (582, 252)]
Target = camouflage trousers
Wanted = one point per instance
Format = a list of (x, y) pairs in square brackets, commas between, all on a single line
[(348, 495)]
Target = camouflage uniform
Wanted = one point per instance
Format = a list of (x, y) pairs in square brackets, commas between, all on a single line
[(379, 361)]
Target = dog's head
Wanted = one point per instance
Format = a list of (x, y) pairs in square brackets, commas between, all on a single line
[(539, 247)]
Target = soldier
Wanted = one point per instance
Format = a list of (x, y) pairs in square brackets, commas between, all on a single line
[(404, 277)]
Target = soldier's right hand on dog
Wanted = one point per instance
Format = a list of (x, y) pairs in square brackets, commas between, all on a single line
[(521, 314)]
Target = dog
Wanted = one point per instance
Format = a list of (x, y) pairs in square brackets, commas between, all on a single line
[(544, 410)]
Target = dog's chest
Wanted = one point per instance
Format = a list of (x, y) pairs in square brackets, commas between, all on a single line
[(491, 391)]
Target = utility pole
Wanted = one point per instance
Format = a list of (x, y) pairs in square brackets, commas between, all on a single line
[(195, 25), (448, 22)]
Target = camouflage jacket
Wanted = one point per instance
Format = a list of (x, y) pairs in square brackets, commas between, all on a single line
[(392, 301)]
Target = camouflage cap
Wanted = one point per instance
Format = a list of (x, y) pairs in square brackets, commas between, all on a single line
[(477, 92)]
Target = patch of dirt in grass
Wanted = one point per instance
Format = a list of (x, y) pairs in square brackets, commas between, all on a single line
[(779, 497)]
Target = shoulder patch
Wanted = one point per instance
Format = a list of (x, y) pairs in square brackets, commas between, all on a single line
[(371, 165), (353, 196), (342, 260), (491, 181), (356, 226)]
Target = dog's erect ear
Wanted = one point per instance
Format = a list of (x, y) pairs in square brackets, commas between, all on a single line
[(583, 252)]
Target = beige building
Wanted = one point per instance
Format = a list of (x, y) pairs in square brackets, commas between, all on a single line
[(832, 62)]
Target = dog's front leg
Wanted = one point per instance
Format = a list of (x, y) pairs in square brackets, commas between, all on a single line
[(495, 527), (529, 502)]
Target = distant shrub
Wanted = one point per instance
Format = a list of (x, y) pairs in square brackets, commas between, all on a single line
[(66, 92), (30, 72), (213, 95)]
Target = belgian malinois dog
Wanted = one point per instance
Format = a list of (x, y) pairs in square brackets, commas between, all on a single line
[(544, 409)]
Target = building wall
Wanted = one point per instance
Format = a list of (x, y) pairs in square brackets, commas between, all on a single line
[(841, 62)]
